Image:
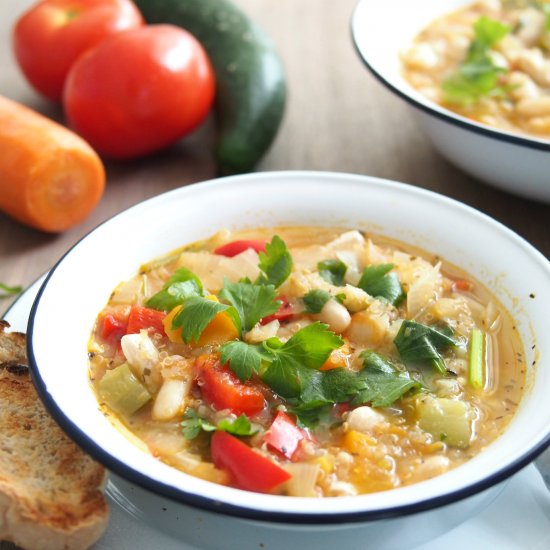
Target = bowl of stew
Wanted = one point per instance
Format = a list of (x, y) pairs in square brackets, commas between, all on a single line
[(300, 357), (477, 76)]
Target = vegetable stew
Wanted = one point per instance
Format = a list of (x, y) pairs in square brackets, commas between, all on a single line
[(307, 361)]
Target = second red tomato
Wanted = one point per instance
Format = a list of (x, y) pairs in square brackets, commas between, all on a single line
[(139, 91)]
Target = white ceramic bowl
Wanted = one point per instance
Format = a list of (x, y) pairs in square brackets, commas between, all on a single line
[(80, 284), (381, 32)]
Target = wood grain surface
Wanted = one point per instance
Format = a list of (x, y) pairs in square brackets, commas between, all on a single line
[(338, 118)]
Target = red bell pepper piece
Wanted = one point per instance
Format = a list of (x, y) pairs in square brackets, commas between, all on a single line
[(113, 328), (284, 436), (248, 469), (145, 318), (221, 388), (284, 313), (236, 247)]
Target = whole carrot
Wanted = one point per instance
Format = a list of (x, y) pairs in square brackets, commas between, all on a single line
[(50, 178)]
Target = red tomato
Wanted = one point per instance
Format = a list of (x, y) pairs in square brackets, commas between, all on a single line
[(139, 91), (145, 318), (236, 247), (221, 388), (249, 470), (284, 436), (53, 34), (284, 313)]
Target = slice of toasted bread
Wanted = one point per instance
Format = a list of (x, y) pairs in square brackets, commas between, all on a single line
[(51, 492)]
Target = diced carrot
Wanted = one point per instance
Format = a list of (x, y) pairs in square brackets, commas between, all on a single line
[(462, 285), (50, 178)]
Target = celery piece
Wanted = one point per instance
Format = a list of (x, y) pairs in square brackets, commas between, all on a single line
[(448, 420), (122, 391), (476, 360)]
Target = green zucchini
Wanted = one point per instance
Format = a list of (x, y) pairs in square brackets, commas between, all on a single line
[(251, 89)]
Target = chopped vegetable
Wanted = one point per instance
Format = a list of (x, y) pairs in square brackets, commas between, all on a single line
[(417, 342), (220, 387), (141, 318), (447, 420), (122, 391), (248, 469), (113, 328), (284, 313), (275, 263), (236, 247), (478, 75), (332, 271), (380, 283), (476, 360), (284, 436), (50, 178), (315, 299)]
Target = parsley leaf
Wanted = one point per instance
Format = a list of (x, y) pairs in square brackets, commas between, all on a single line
[(252, 302), (275, 263), (332, 271), (194, 424), (9, 290), (315, 300), (181, 285), (417, 342), (380, 283), (240, 426), (197, 313), (310, 346), (244, 359), (383, 383), (477, 76)]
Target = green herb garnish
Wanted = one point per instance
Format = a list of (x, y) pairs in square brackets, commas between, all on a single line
[(181, 285), (383, 382), (332, 271), (416, 342), (244, 359), (275, 263), (197, 313), (9, 290), (478, 75), (378, 282), (252, 302), (315, 300), (194, 424)]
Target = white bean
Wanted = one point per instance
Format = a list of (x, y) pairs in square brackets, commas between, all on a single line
[(170, 399), (335, 315), (534, 106), (364, 419)]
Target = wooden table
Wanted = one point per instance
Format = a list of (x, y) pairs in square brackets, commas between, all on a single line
[(338, 118)]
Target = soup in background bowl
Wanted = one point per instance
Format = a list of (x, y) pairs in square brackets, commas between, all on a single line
[(498, 154), (79, 287)]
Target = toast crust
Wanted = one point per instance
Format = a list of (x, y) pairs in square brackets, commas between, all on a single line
[(51, 492)]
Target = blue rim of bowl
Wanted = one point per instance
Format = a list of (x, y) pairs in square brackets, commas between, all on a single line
[(437, 111), (216, 506)]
